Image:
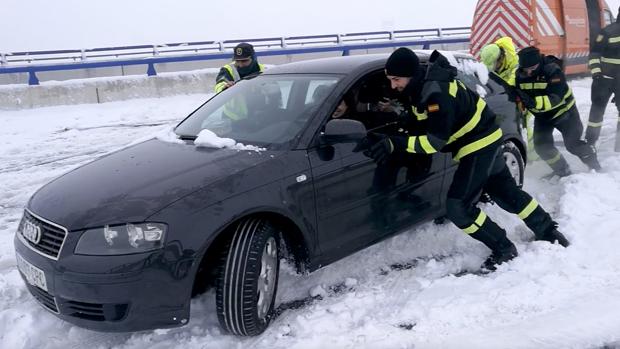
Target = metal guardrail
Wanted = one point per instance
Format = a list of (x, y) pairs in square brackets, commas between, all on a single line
[(149, 55)]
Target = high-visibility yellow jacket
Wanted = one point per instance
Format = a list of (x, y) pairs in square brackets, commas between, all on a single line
[(510, 62)]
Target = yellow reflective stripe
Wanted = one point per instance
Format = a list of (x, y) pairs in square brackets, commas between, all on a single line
[(261, 67), (419, 116), (527, 211), (563, 110), (219, 87), (426, 145), (477, 223), (610, 60), (233, 72), (479, 144), (596, 70), (471, 123), (543, 103), (411, 144), (594, 61), (453, 88), (554, 159), (533, 86), (614, 39), (594, 124)]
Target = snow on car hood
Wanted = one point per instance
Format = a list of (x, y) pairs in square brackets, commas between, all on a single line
[(135, 182)]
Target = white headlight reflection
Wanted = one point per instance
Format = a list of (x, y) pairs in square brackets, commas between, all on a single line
[(122, 239), (109, 234)]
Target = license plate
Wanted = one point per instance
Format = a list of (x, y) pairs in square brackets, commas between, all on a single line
[(34, 275)]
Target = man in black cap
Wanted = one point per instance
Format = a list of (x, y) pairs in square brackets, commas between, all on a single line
[(244, 63), (452, 118), (605, 68), (549, 98)]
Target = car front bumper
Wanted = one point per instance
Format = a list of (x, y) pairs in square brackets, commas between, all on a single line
[(136, 292)]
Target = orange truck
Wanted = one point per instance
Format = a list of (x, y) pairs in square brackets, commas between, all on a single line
[(561, 28)]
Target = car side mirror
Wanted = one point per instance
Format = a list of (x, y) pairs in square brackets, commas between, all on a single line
[(343, 131)]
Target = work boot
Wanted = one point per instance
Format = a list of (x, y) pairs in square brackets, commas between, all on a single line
[(499, 256), (591, 160), (553, 236), (562, 172), (494, 237)]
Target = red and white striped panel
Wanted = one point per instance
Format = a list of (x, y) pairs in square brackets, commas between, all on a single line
[(546, 22), (496, 18)]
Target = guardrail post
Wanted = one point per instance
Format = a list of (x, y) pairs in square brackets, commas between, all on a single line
[(83, 54), (151, 70), (221, 44), (3, 60), (32, 78), (283, 42), (155, 50), (391, 36)]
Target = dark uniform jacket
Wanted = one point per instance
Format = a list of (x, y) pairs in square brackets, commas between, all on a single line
[(552, 97), (605, 52), (455, 118)]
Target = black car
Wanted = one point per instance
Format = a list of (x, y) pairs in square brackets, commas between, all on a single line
[(124, 242)]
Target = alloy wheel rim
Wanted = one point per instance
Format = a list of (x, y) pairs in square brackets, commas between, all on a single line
[(513, 166), (267, 277)]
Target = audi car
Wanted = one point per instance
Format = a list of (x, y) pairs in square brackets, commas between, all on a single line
[(123, 243)]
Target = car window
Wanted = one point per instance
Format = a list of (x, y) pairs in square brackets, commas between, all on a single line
[(265, 110), (318, 90)]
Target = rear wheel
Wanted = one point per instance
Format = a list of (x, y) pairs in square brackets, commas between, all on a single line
[(514, 161), (248, 278)]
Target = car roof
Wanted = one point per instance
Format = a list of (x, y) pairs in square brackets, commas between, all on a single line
[(346, 64)]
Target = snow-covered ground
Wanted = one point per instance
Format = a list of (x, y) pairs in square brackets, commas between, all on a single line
[(401, 293)]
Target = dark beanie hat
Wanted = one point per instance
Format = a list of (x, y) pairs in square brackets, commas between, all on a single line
[(402, 62), (529, 57)]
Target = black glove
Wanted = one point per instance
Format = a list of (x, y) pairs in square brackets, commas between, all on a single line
[(511, 93), (381, 146), (597, 76), (527, 100)]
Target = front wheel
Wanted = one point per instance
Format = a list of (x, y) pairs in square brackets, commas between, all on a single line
[(514, 162), (248, 278)]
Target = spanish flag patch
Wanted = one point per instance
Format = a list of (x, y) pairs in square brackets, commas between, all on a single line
[(433, 108)]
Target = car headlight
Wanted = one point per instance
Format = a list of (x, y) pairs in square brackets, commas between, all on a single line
[(121, 239)]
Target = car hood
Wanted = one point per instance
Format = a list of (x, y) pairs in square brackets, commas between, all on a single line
[(133, 183)]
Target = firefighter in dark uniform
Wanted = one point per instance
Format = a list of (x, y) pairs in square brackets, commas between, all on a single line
[(550, 99), (457, 120), (244, 63), (605, 68)]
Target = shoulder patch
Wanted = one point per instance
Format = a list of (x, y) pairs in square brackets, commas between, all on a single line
[(433, 108), (555, 80), (599, 38)]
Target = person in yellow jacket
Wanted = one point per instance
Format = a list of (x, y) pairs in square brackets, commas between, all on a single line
[(244, 64), (501, 58)]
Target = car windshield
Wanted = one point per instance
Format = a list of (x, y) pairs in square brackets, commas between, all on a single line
[(265, 110)]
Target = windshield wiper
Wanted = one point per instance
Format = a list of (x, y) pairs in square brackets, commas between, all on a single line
[(187, 137)]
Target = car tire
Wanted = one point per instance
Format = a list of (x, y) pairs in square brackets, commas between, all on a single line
[(248, 278), (514, 162)]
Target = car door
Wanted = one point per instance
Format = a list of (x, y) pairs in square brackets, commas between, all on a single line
[(359, 202)]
